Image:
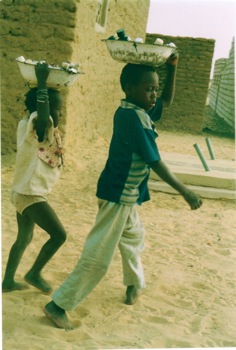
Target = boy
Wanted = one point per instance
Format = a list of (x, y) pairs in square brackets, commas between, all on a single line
[(122, 185)]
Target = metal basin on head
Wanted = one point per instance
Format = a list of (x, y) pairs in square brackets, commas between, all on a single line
[(139, 53)]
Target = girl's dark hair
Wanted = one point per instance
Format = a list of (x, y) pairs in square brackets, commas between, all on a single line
[(31, 98), (132, 74)]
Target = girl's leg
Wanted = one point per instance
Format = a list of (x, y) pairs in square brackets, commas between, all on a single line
[(131, 245), (45, 217), (24, 237)]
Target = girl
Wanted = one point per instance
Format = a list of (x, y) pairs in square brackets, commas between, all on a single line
[(38, 166)]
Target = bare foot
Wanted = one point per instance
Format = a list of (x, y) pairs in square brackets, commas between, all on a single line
[(10, 287), (132, 295), (38, 282), (57, 316)]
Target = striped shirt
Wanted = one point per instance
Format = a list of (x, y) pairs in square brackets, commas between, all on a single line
[(125, 176)]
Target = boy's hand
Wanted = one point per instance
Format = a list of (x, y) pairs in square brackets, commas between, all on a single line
[(192, 199), (42, 71), (173, 59)]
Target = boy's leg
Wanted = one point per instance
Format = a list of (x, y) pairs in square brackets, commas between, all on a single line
[(131, 245), (45, 217), (96, 257), (24, 237)]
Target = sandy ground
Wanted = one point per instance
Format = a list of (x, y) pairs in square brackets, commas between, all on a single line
[(189, 264)]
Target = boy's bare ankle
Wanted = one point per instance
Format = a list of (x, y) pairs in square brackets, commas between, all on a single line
[(132, 294), (58, 316)]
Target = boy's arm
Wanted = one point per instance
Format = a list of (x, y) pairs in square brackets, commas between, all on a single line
[(43, 109), (160, 168), (169, 87)]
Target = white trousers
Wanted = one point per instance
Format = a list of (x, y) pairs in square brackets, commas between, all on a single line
[(115, 225)]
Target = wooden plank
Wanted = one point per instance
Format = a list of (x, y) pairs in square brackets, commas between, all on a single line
[(205, 192), (189, 170)]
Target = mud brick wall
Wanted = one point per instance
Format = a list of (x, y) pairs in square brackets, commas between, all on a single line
[(222, 89), (36, 30), (63, 31), (193, 75)]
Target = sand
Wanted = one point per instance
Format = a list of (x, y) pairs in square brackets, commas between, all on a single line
[(189, 264)]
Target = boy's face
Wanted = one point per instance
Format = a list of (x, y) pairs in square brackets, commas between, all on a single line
[(144, 94)]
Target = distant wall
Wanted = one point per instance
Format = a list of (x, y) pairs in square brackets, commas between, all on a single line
[(63, 30), (193, 75), (222, 89)]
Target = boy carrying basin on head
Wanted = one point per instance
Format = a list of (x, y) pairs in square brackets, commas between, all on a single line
[(121, 186)]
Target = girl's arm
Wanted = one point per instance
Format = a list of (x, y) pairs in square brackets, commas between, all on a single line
[(43, 108)]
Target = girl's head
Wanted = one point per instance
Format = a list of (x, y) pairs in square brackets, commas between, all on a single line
[(55, 102), (140, 84)]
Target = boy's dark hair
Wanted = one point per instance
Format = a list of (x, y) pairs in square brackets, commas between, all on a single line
[(31, 98), (132, 73)]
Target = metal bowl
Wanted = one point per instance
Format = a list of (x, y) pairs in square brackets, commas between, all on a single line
[(139, 53), (58, 76)]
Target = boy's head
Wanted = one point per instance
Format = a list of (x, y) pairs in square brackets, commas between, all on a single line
[(140, 84), (55, 102)]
